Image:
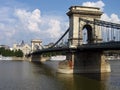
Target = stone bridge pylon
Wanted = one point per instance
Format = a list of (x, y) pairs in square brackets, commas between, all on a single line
[(86, 61), (77, 26)]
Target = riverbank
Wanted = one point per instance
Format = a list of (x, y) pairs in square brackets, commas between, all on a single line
[(21, 58)]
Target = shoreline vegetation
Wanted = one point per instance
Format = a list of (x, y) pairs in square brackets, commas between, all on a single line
[(13, 54)]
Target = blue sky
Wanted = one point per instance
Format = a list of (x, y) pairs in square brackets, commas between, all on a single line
[(38, 19)]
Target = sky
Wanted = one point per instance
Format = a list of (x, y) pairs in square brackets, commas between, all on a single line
[(44, 19)]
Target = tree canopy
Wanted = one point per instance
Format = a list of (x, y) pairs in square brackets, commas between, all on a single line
[(8, 52)]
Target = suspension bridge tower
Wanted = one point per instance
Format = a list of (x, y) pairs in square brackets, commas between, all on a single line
[(77, 15), (83, 19)]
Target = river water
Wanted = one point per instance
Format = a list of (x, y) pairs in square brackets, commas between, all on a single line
[(24, 75)]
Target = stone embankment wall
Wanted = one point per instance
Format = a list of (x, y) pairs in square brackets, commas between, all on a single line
[(21, 58)]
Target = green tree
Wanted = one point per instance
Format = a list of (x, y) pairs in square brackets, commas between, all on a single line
[(8, 52), (18, 53)]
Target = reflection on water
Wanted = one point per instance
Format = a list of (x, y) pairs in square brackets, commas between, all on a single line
[(84, 81), (23, 75)]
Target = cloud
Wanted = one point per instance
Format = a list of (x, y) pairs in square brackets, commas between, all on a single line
[(99, 4), (22, 24), (7, 25), (110, 18), (115, 18), (35, 23), (29, 20)]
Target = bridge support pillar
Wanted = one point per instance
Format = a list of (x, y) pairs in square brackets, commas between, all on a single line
[(90, 62), (84, 62), (35, 57), (38, 58)]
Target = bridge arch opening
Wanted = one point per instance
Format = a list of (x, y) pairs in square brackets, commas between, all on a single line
[(87, 34)]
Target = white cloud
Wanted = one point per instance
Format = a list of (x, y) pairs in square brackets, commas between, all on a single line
[(55, 28), (112, 18), (105, 17), (29, 20), (99, 4), (115, 18), (22, 24), (34, 22)]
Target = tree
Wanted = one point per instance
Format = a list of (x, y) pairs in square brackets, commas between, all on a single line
[(18, 53), (8, 52)]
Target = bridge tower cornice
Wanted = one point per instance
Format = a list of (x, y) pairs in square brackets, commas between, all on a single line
[(82, 10)]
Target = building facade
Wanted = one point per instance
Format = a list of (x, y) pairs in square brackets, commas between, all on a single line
[(25, 48)]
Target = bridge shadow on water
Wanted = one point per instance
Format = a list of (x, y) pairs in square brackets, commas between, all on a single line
[(43, 69), (84, 81)]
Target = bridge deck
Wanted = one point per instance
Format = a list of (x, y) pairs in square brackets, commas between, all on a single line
[(84, 47)]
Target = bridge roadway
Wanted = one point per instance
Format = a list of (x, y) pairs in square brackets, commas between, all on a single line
[(114, 45)]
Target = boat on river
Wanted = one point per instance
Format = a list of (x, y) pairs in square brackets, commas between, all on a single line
[(5, 58)]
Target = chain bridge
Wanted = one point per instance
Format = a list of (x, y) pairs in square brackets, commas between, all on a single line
[(87, 38)]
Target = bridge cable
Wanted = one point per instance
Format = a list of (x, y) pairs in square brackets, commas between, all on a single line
[(60, 38), (111, 34), (119, 35), (107, 34), (102, 23)]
